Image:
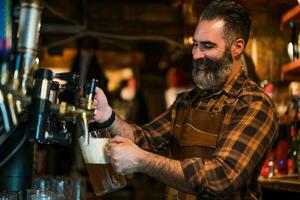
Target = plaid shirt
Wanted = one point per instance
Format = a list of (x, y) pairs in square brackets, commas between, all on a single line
[(249, 128)]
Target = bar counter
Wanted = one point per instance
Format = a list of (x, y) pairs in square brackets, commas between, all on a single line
[(285, 186), (290, 183)]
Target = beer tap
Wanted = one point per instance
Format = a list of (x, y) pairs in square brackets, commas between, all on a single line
[(85, 128), (89, 105), (28, 36)]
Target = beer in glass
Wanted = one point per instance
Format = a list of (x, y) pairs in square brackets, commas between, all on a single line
[(103, 177)]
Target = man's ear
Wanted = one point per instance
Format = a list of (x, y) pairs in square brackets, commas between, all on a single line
[(237, 47)]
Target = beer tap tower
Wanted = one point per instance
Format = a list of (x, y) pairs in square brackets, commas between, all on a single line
[(30, 108)]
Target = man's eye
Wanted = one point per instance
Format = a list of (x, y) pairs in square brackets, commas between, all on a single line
[(207, 46)]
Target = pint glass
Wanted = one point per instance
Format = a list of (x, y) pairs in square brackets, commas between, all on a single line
[(102, 175)]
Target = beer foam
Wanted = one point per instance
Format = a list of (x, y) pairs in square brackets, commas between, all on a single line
[(93, 153)]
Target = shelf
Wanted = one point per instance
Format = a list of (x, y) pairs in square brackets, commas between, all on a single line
[(291, 15), (291, 71)]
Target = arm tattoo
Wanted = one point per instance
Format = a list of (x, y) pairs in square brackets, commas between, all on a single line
[(165, 170), (121, 128)]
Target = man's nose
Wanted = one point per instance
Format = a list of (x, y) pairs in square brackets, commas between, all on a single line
[(197, 53)]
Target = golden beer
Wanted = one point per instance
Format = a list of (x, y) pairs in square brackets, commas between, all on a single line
[(104, 179)]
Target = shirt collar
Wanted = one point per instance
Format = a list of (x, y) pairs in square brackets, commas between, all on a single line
[(235, 84)]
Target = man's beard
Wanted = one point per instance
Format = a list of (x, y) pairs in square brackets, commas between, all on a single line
[(211, 73)]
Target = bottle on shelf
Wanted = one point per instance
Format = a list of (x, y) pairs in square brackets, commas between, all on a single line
[(281, 157), (294, 41), (293, 151)]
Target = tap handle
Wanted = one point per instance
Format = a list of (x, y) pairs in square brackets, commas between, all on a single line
[(84, 125), (89, 93)]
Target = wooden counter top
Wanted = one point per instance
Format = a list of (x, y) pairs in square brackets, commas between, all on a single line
[(290, 183)]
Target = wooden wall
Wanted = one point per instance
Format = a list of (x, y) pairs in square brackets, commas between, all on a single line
[(268, 44)]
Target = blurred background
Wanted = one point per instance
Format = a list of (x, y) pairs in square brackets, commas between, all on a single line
[(140, 51)]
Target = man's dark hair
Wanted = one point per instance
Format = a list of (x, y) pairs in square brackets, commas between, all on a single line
[(235, 16)]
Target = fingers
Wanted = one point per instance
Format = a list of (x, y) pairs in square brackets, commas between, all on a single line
[(112, 148), (98, 94), (107, 150), (119, 139), (98, 91), (110, 154), (95, 102), (120, 152)]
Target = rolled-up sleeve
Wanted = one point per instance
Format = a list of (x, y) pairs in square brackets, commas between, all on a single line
[(242, 144), (155, 135)]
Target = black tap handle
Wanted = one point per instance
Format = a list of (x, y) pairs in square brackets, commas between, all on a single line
[(89, 93), (92, 87), (89, 88), (67, 76)]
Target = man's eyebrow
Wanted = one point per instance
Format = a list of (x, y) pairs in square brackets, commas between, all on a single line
[(204, 42)]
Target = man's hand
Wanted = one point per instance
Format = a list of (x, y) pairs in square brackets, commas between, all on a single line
[(102, 109), (125, 156)]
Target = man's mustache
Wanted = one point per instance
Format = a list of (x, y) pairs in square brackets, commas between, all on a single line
[(206, 63)]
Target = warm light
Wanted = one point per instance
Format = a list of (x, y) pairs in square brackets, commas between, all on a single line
[(188, 40), (116, 76)]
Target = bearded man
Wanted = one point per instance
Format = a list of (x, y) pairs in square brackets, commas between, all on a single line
[(218, 133)]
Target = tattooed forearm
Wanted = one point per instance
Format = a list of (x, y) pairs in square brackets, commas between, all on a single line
[(121, 128), (165, 170)]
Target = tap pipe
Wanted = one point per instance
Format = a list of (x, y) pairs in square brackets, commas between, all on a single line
[(28, 36)]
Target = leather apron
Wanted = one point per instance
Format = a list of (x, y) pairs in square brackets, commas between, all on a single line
[(195, 134)]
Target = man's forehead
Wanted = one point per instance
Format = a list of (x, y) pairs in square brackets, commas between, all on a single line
[(218, 24), (209, 27)]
